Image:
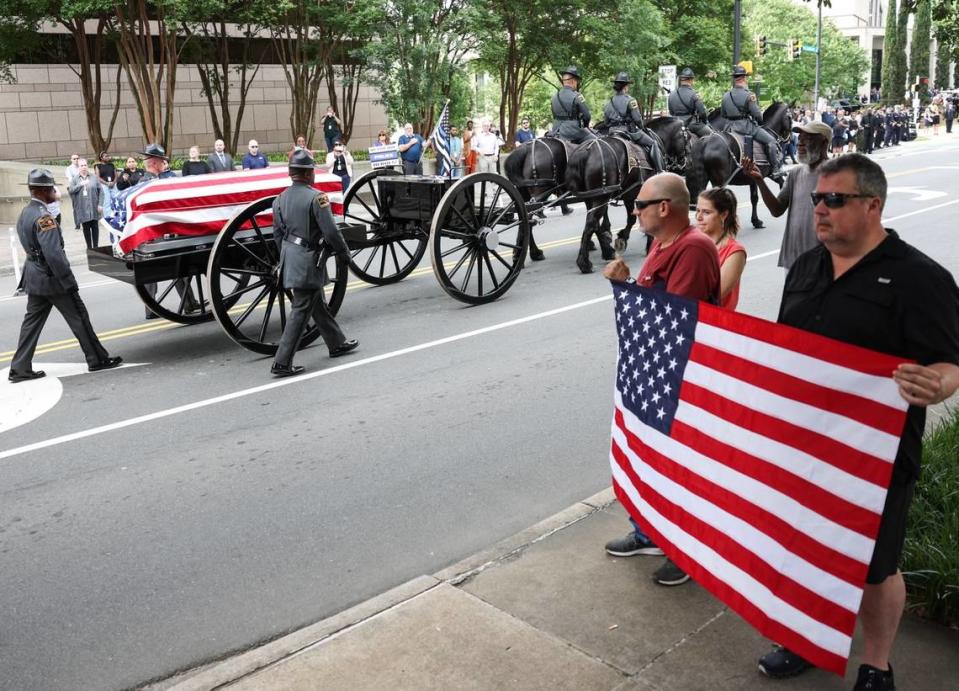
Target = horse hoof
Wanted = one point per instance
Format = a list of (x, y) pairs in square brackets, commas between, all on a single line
[(591, 246), (619, 245), (585, 266), (758, 224), (537, 255), (609, 255)]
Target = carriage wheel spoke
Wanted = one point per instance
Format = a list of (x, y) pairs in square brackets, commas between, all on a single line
[(383, 262), (184, 290), (469, 271), (269, 251), (458, 264), (465, 222), (266, 316), (454, 249), (396, 261), (403, 247), (241, 291), (252, 254), (479, 272), (166, 292), (373, 214), (510, 245), (509, 267), (199, 290), (489, 267), (482, 205), (492, 206), (506, 209), (252, 306), (369, 261), (245, 272)]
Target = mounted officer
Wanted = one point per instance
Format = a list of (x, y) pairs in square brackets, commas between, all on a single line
[(49, 282), (740, 109), (302, 225), (684, 103), (622, 115), (571, 115)]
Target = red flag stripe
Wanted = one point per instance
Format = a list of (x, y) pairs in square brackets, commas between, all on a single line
[(863, 410), (147, 202), (816, 553), (787, 589), (822, 447), (770, 628)]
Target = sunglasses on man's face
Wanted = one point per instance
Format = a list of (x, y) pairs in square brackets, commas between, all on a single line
[(835, 200), (643, 203)]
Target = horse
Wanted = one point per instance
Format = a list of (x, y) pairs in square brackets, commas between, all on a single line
[(599, 171), (714, 159)]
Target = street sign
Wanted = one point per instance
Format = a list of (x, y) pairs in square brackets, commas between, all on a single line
[(809, 49), (384, 156), (667, 77)]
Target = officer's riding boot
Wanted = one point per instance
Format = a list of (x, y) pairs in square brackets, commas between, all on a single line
[(656, 157), (775, 160)]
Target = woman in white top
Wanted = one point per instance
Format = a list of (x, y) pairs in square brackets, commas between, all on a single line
[(340, 162)]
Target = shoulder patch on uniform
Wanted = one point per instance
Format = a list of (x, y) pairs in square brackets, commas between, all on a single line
[(752, 97), (579, 98), (633, 104), (47, 222), (322, 199)]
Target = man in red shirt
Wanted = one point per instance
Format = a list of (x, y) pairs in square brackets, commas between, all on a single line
[(682, 260)]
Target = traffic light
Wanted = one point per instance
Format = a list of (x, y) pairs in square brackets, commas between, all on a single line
[(761, 46), (795, 48), (789, 50)]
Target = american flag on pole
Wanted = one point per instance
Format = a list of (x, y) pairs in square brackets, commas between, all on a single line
[(758, 457), (441, 142), (201, 204)]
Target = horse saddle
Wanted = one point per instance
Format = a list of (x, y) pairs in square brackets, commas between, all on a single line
[(742, 144), (636, 155)]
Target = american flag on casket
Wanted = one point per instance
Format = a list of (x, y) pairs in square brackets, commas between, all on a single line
[(201, 204), (758, 457)]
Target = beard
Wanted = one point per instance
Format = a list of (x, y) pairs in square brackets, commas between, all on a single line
[(811, 154)]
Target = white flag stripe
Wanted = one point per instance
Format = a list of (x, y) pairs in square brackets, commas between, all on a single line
[(880, 389), (834, 480), (155, 193), (853, 433), (735, 578), (792, 512)]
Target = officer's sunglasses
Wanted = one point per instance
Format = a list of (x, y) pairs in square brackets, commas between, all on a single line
[(835, 200), (643, 203)]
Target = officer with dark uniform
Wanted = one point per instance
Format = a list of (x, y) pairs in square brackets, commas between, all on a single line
[(49, 282), (622, 115), (684, 103), (571, 115), (740, 108), (302, 224)]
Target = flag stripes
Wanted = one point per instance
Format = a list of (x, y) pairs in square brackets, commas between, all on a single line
[(441, 142)]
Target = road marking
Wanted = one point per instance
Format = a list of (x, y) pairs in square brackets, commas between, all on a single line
[(919, 194), (160, 414)]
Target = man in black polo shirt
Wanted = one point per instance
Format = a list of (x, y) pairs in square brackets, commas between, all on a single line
[(865, 286)]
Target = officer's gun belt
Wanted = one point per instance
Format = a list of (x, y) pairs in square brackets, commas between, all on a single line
[(736, 117), (569, 119), (297, 240)]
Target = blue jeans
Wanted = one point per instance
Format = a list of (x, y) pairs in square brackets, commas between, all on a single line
[(346, 182), (643, 537)]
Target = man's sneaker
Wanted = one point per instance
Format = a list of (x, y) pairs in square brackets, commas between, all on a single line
[(781, 662), (632, 545), (670, 574), (873, 679)]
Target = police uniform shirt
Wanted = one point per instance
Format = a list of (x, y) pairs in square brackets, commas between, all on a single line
[(47, 270), (304, 213), (739, 103), (685, 103), (569, 105), (622, 109)]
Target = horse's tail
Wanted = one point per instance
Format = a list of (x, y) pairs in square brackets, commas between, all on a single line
[(513, 167), (696, 178)]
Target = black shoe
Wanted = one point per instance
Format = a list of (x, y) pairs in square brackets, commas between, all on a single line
[(286, 370), (344, 348), (151, 315), (109, 363), (670, 574), (781, 662), (15, 376), (632, 545), (567, 211), (873, 679)]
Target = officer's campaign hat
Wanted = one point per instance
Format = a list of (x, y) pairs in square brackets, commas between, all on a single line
[(622, 78), (687, 73), (155, 151), (301, 160), (739, 71), (571, 71), (40, 177)]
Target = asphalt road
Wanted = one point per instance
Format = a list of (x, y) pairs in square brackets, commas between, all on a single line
[(138, 538)]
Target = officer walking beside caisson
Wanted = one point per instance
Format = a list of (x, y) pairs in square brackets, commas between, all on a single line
[(571, 115), (302, 224), (740, 108), (684, 103), (622, 115), (49, 282)]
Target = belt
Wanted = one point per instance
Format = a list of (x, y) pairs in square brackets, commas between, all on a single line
[(741, 117), (297, 240), (568, 119), (490, 155)]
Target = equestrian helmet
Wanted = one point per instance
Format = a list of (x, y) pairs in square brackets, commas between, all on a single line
[(301, 159), (739, 71), (687, 73), (40, 177), (622, 78), (571, 71), (154, 151)]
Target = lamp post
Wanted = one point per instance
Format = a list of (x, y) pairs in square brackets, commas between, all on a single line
[(818, 59), (737, 38)]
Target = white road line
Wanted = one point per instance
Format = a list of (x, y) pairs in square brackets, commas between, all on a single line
[(83, 434), (920, 211), (84, 286)]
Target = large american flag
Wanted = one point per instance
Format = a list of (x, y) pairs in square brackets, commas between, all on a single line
[(201, 204), (758, 457), (441, 142)]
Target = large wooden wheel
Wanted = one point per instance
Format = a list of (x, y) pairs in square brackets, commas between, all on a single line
[(244, 286), (392, 247), (479, 238), (180, 300)]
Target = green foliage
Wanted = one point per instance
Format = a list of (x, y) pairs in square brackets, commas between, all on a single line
[(843, 62), (931, 554), (890, 44), (943, 58), (898, 63), (921, 38)]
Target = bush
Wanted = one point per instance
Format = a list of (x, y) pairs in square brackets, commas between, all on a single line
[(931, 555)]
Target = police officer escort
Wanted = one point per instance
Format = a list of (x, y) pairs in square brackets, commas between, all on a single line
[(740, 108), (302, 225), (684, 103), (49, 282), (571, 115), (622, 115)]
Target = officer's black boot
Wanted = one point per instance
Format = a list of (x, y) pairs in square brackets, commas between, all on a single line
[(656, 158), (775, 161)]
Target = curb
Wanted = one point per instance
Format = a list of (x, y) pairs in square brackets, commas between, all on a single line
[(217, 674)]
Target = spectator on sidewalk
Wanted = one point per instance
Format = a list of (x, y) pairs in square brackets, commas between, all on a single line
[(456, 151), (106, 174), (298, 146), (340, 162), (411, 147), (253, 159), (219, 161), (793, 198), (70, 172), (469, 156), (682, 261), (332, 128), (85, 193), (194, 166), (950, 114), (716, 217), (486, 144), (130, 175), (523, 134), (865, 286), (382, 139)]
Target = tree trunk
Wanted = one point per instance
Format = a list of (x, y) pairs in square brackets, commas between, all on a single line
[(89, 72)]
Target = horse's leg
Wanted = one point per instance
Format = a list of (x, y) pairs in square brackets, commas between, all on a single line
[(754, 199), (582, 259), (535, 253), (605, 236)]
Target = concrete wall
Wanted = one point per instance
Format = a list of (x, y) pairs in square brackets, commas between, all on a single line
[(41, 115)]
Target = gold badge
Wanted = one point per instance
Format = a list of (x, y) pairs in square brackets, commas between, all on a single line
[(47, 223), (322, 200), (580, 99), (632, 104), (752, 97)]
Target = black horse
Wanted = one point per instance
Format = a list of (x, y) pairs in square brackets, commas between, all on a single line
[(599, 171), (713, 156)]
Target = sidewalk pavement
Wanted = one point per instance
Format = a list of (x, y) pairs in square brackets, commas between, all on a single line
[(548, 609)]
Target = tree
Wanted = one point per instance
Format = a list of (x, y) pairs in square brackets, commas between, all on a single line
[(943, 62), (890, 44), (899, 60), (921, 39)]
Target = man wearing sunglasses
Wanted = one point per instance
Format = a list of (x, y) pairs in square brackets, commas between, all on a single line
[(682, 260), (254, 160), (864, 285), (793, 199)]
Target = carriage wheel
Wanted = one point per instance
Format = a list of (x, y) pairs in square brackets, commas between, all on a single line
[(244, 286), (479, 238), (392, 248), (182, 300)]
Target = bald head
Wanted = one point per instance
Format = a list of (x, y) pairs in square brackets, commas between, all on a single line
[(669, 186), (663, 205)]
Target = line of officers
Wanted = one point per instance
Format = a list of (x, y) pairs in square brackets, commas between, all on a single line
[(621, 114)]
